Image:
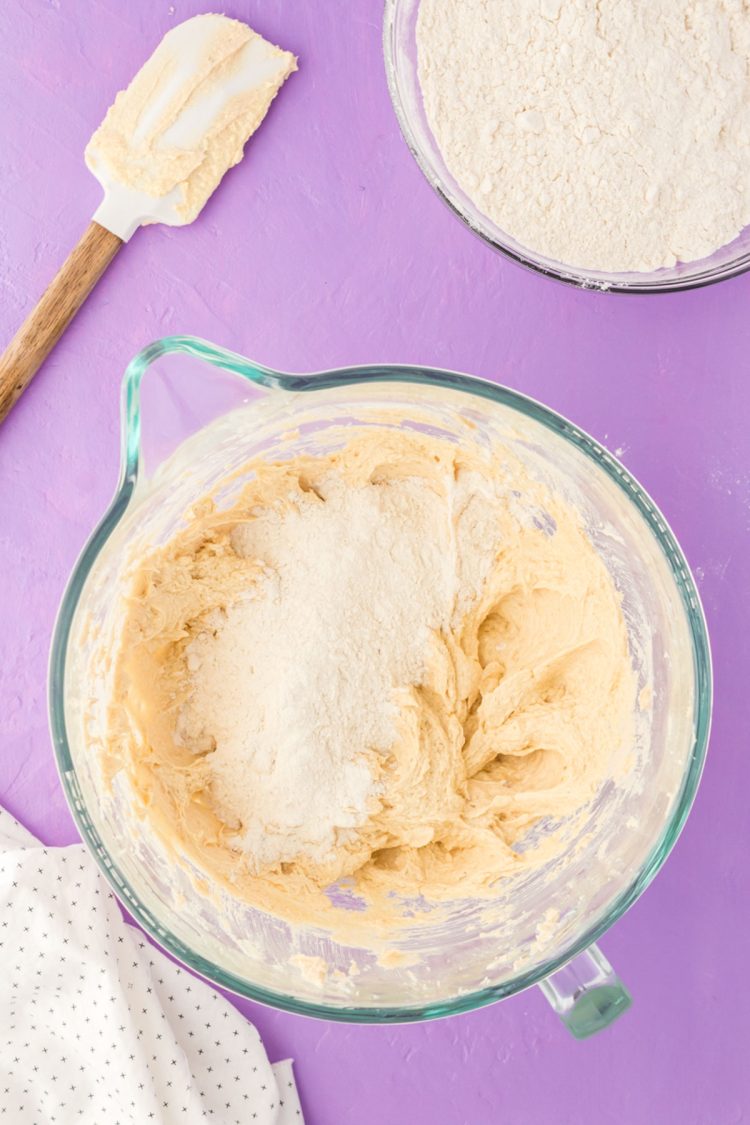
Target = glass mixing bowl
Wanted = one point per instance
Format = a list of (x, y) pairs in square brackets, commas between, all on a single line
[(197, 418), (400, 49)]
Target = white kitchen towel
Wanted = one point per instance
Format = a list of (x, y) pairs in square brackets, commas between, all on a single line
[(98, 1027)]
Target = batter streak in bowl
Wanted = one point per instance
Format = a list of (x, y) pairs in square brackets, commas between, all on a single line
[(384, 665)]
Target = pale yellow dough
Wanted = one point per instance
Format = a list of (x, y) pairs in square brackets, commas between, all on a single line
[(527, 706)]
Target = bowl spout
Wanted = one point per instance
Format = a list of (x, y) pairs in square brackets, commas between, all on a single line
[(190, 383)]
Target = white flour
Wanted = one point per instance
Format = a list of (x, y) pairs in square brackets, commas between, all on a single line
[(298, 684), (610, 135)]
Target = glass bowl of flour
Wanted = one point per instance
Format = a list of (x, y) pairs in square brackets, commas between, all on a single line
[(191, 428), (603, 145)]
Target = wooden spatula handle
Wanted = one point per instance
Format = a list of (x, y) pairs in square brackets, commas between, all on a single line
[(59, 303)]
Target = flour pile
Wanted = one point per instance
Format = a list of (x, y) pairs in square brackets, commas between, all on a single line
[(612, 136), (294, 685)]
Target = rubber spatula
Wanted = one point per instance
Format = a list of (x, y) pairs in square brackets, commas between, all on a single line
[(159, 154)]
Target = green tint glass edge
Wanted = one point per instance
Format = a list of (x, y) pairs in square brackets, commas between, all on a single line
[(266, 377), (596, 1009)]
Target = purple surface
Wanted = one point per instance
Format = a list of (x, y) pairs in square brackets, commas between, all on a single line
[(326, 247)]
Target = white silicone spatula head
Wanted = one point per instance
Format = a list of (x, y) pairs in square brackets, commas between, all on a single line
[(159, 154), (168, 139)]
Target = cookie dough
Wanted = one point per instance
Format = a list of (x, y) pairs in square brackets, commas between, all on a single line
[(523, 707)]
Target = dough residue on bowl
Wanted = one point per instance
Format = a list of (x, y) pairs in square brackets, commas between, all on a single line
[(383, 665), (184, 119), (609, 136)]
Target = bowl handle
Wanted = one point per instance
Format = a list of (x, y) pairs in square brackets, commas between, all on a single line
[(586, 993)]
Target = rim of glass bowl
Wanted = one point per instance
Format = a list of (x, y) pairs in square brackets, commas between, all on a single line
[(341, 377), (399, 64)]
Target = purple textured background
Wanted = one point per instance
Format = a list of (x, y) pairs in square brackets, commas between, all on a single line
[(326, 247)]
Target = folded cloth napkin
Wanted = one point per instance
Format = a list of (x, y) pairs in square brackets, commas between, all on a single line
[(100, 1028)]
